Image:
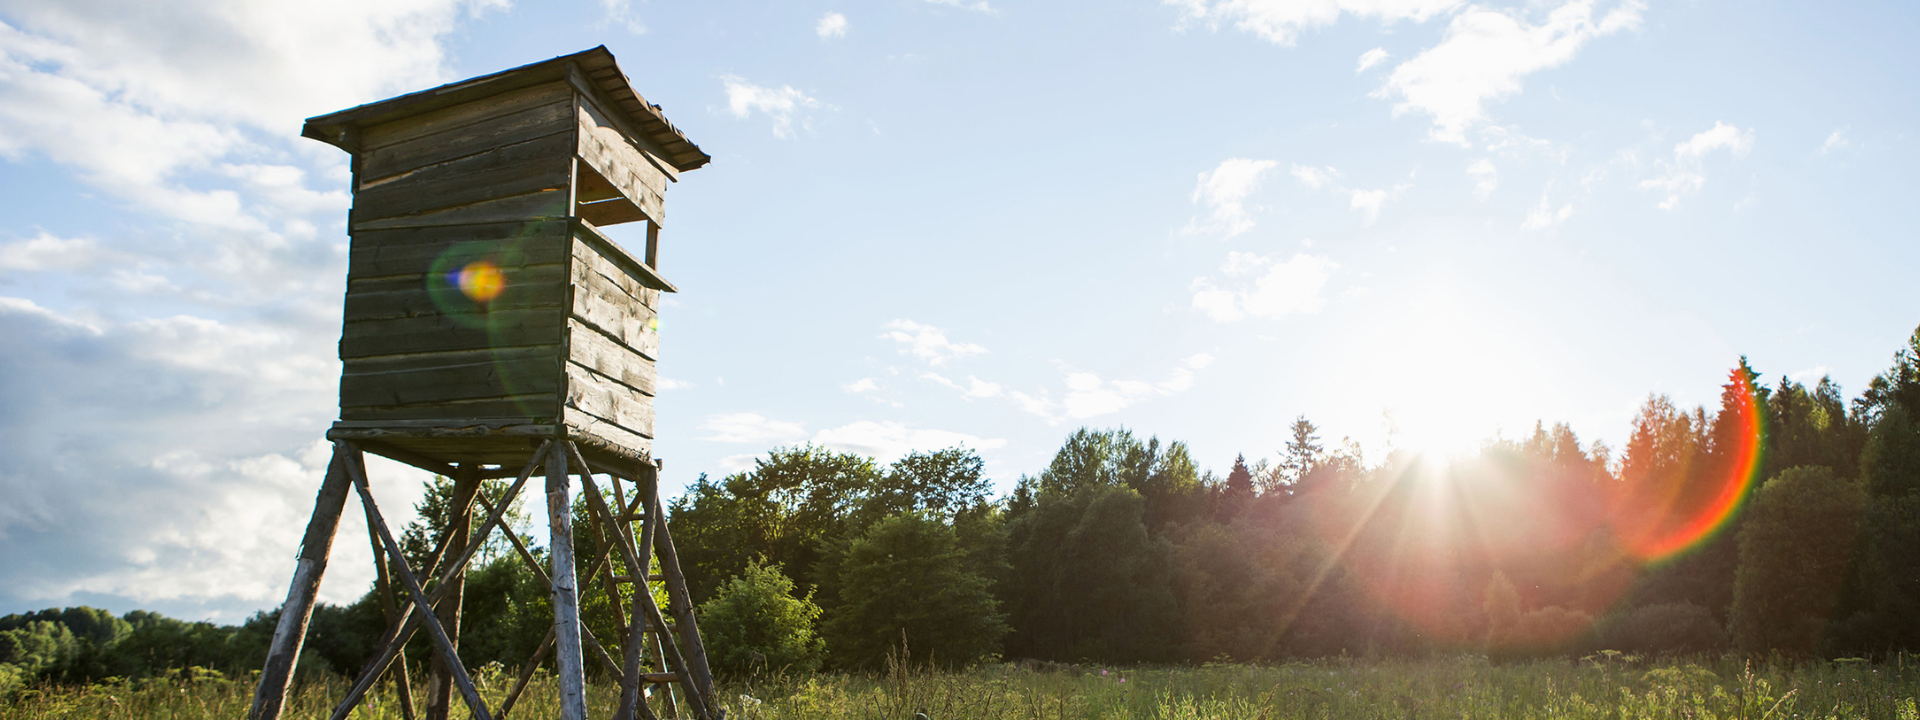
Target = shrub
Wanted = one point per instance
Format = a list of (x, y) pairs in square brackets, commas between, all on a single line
[(755, 624), (1795, 547), (907, 579), (1665, 629)]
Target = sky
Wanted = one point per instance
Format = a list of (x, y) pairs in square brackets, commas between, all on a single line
[(1417, 223)]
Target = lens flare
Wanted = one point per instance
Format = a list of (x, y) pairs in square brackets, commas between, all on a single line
[(480, 281), (1657, 518)]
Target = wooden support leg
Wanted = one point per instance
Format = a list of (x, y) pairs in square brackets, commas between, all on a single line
[(565, 587), (695, 669), (633, 699), (466, 484), (396, 637), (667, 704), (383, 587), (699, 684), (420, 599), (270, 696), (621, 538)]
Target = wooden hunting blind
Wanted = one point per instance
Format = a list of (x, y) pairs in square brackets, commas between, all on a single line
[(491, 328), (481, 293)]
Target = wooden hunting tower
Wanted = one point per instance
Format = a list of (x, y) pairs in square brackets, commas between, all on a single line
[(491, 328)]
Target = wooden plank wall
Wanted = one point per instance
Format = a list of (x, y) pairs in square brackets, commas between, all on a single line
[(571, 337), (623, 178), (507, 157), (613, 342), (409, 355)]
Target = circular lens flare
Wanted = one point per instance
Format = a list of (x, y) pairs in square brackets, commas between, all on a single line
[(479, 280), (1659, 517)]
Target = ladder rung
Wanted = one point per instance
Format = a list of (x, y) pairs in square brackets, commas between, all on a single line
[(660, 678), (629, 578)]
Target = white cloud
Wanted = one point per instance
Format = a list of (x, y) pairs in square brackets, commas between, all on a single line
[(1294, 286), (665, 383), (1837, 141), (750, 428), (1089, 396), (1812, 375), (199, 404), (1086, 394), (928, 343), (781, 104), (46, 252), (1544, 216), (1684, 175), (1371, 58), (831, 25), (1314, 177), (1487, 52), (622, 14), (889, 441), (1223, 191), (737, 463), (980, 6), (974, 387), (1367, 202), (1485, 178), (1281, 21), (205, 434), (137, 98), (863, 385), (1182, 378)]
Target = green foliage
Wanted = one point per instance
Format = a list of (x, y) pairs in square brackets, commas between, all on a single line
[(36, 645), (1240, 587), (1089, 580), (435, 513), (1303, 450), (941, 482), (787, 510), (1883, 610), (755, 624), (908, 580), (1890, 462), (1794, 554), (1666, 629)]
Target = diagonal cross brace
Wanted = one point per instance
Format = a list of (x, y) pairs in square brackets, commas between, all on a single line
[(397, 635), (697, 696), (401, 566)]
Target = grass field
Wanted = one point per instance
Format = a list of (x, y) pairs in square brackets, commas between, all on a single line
[(1462, 687)]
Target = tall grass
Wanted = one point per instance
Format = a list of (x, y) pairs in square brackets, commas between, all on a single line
[(1458, 687)]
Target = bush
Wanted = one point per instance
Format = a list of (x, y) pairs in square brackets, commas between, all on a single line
[(755, 624), (1795, 547), (907, 580), (1665, 629)]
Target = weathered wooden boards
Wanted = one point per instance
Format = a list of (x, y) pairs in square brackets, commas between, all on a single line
[(479, 289)]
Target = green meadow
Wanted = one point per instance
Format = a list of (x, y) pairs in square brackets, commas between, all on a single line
[(1600, 686)]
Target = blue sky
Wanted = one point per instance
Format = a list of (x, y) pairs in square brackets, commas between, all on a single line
[(1416, 222)]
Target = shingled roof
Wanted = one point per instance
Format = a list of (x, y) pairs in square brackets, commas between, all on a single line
[(596, 66)]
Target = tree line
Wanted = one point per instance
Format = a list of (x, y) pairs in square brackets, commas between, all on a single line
[(1696, 536)]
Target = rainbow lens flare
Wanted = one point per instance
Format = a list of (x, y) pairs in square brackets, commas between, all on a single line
[(1656, 518), (480, 280)]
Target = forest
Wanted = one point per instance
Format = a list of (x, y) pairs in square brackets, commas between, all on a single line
[(1782, 523)]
